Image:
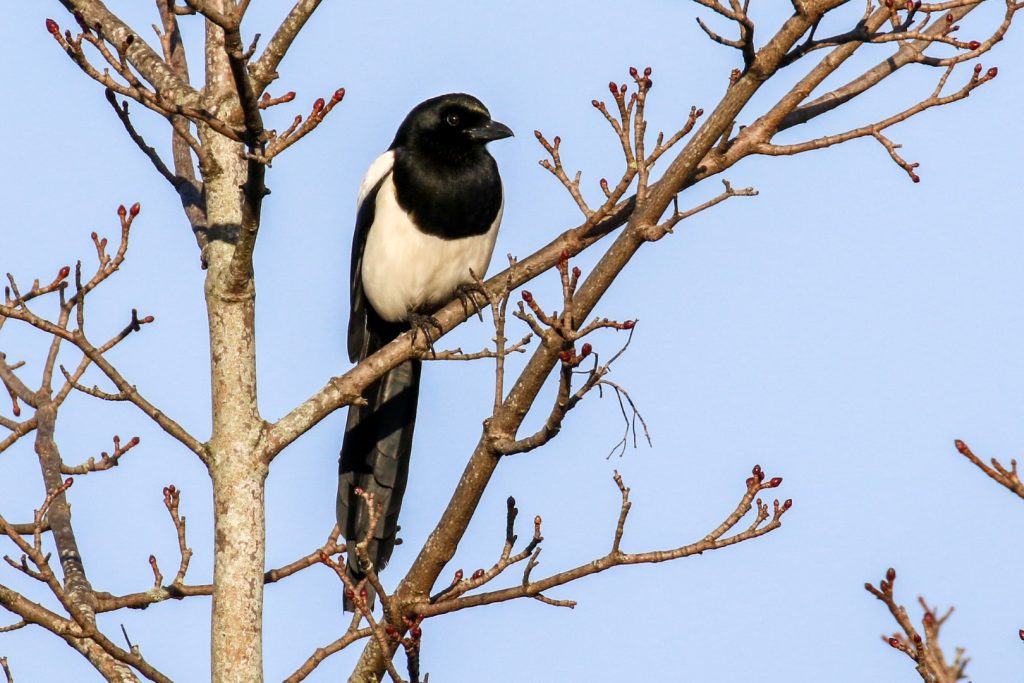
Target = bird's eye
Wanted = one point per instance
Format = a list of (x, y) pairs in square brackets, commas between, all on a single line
[(452, 120)]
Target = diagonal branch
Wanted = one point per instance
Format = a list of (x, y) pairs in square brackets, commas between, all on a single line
[(997, 471), (764, 522), (264, 70), (142, 58)]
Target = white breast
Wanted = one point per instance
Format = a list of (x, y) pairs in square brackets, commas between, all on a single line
[(405, 269)]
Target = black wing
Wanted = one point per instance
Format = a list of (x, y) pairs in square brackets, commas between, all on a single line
[(358, 322)]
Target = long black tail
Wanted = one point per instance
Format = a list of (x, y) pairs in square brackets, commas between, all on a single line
[(375, 457)]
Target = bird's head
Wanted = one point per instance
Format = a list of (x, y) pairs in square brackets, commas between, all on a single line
[(449, 126)]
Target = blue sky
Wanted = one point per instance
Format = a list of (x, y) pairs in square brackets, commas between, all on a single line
[(841, 329)]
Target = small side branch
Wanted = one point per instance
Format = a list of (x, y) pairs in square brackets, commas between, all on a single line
[(766, 520), (670, 223), (996, 471), (922, 647)]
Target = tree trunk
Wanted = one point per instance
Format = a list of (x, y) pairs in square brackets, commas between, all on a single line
[(237, 466)]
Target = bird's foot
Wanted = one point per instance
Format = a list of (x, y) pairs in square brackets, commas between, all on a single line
[(421, 324), (467, 294)]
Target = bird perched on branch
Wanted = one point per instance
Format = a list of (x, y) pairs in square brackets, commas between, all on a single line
[(427, 213)]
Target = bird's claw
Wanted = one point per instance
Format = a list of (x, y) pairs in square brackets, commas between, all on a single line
[(421, 324), (466, 293)]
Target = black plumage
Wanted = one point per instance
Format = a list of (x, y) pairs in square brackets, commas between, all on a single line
[(428, 212)]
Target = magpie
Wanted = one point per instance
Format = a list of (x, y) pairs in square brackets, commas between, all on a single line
[(427, 213)]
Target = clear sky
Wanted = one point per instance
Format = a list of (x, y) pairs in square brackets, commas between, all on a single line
[(841, 329)]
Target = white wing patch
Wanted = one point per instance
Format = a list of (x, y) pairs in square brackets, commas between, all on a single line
[(380, 167), (405, 269)]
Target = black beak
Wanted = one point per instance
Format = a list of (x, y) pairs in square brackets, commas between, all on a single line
[(492, 130)]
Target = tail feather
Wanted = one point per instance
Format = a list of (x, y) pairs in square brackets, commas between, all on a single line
[(375, 457)]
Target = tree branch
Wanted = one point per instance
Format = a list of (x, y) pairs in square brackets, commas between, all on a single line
[(997, 472)]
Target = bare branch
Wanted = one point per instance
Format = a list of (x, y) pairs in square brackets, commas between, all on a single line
[(264, 70), (764, 522), (1007, 477), (147, 62), (921, 647), (106, 461)]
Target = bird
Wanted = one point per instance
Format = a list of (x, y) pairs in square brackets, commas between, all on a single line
[(427, 216)]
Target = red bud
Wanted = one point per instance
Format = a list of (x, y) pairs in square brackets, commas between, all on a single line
[(416, 632), (613, 88), (758, 473), (564, 256), (949, 18), (788, 504), (928, 619), (894, 643), (16, 409), (134, 211), (338, 95), (774, 482), (557, 141), (68, 482), (993, 72), (1021, 634), (537, 520), (974, 45), (888, 3), (527, 297), (647, 71), (148, 319), (885, 586), (628, 325), (52, 27), (121, 211), (95, 237), (890, 575), (318, 106), (917, 639), (699, 112), (363, 594), (565, 356), (576, 271), (633, 72), (134, 442), (350, 594), (604, 184), (458, 575), (478, 573), (597, 105), (64, 272), (622, 89), (585, 350), (750, 482), (977, 69)]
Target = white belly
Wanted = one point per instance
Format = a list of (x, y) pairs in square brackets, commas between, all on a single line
[(407, 270)]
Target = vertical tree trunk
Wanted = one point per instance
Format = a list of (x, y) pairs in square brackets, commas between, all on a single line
[(237, 466)]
